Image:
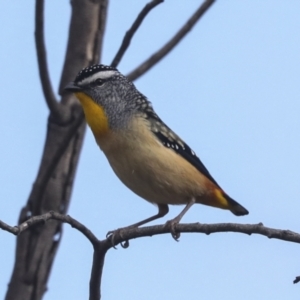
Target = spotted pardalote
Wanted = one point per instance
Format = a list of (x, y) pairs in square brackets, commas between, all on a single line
[(146, 155)]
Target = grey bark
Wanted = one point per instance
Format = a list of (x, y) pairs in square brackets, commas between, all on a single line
[(36, 248)]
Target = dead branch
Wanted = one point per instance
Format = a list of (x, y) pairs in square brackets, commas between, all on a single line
[(157, 56), (297, 279), (53, 105), (102, 246), (97, 270), (133, 233), (36, 249), (41, 183), (135, 26)]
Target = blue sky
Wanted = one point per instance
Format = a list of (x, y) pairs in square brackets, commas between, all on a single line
[(230, 90)]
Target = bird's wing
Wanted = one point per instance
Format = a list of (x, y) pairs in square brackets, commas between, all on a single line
[(187, 153), (171, 140)]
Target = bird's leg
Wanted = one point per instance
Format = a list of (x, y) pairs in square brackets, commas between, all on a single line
[(163, 209), (172, 223)]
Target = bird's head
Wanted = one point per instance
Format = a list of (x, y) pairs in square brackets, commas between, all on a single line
[(108, 98)]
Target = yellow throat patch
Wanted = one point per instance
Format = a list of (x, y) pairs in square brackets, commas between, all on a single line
[(94, 115)]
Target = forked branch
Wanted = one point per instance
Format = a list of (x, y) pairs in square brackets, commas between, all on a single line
[(102, 246), (53, 104), (161, 53), (135, 26)]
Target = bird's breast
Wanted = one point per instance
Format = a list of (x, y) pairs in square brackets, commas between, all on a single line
[(151, 170)]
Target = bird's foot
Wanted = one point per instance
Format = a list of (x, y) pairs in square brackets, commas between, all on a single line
[(171, 224), (113, 235)]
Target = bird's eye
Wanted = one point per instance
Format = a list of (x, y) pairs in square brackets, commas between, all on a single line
[(99, 82)]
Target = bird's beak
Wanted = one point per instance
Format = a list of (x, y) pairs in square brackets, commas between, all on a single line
[(72, 87)]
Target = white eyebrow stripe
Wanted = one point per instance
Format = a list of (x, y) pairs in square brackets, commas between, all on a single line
[(99, 75)]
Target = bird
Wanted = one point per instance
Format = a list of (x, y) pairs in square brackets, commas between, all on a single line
[(145, 154)]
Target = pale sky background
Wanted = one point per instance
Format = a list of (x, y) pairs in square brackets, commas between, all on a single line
[(231, 90)]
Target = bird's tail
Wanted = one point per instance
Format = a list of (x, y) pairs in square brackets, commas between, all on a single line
[(235, 207)]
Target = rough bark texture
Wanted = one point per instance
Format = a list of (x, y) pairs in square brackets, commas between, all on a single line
[(36, 248)]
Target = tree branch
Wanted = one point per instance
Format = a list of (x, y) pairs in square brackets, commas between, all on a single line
[(156, 57), (16, 230), (53, 105), (297, 279), (41, 183), (55, 178), (97, 51), (121, 236), (286, 235), (129, 34), (124, 235), (97, 270)]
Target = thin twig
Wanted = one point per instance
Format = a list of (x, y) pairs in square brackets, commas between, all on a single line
[(129, 34), (297, 279), (8, 228), (51, 215), (154, 58), (53, 104), (75, 224), (100, 34)]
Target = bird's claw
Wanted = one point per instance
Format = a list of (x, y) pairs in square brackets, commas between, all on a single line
[(172, 226), (125, 244), (113, 234)]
